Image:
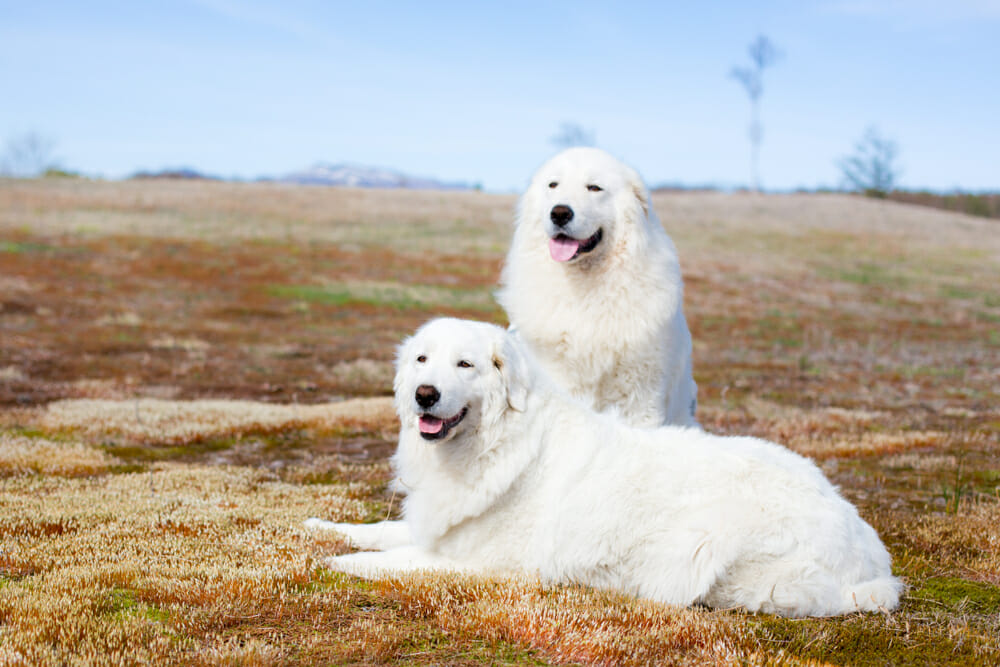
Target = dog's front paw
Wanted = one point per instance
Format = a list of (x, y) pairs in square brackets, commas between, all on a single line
[(369, 536), (378, 564), (358, 535), (357, 564), (315, 523)]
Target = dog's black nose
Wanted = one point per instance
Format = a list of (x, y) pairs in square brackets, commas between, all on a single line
[(561, 215), (427, 395)]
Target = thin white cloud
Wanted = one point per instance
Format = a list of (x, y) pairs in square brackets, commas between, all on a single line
[(921, 12), (276, 16)]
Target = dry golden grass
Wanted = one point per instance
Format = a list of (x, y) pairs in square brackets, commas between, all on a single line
[(175, 359), (20, 455), (820, 433), (154, 421), (402, 219), (134, 566), (569, 624), (970, 535), (898, 227)]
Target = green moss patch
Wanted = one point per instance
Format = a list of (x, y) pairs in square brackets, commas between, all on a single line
[(865, 640), (960, 595)]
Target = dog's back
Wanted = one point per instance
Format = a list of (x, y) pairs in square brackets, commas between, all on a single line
[(683, 516)]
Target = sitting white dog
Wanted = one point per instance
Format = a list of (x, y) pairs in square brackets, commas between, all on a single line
[(593, 285), (506, 473)]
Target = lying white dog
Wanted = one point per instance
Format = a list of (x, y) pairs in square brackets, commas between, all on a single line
[(506, 473), (593, 285)]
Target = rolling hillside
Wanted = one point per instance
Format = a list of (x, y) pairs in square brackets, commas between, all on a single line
[(189, 368)]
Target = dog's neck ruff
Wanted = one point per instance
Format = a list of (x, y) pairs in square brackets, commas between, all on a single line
[(458, 480)]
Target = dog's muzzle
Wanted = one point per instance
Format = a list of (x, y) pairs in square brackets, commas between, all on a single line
[(564, 248), (435, 428)]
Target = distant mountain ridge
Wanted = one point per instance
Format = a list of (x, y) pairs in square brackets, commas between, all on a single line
[(174, 173), (361, 176)]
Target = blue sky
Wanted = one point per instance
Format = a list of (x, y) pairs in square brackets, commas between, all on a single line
[(475, 91)]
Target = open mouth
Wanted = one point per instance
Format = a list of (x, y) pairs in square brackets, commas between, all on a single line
[(565, 248), (435, 428)]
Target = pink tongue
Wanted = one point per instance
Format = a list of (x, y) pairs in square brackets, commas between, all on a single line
[(430, 424), (563, 248)]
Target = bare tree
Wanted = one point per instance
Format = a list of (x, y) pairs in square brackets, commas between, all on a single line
[(762, 54), (871, 168), (27, 155), (572, 134)]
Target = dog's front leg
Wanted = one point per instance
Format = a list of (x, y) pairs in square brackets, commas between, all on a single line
[(369, 536), (379, 564)]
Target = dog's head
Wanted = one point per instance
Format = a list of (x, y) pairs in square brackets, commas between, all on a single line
[(455, 376), (584, 200)]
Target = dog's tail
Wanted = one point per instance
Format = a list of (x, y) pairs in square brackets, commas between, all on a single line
[(881, 594)]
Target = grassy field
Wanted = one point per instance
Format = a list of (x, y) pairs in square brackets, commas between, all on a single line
[(188, 370)]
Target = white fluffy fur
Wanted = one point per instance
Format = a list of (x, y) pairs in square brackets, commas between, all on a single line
[(532, 481), (609, 325)]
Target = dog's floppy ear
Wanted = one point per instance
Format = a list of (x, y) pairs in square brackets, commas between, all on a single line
[(527, 206), (511, 363), (640, 192), (403, 369)]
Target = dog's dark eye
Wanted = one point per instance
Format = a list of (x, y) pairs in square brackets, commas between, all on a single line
[(464, 364), (553, 184), (594, 188), (421, 359)]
